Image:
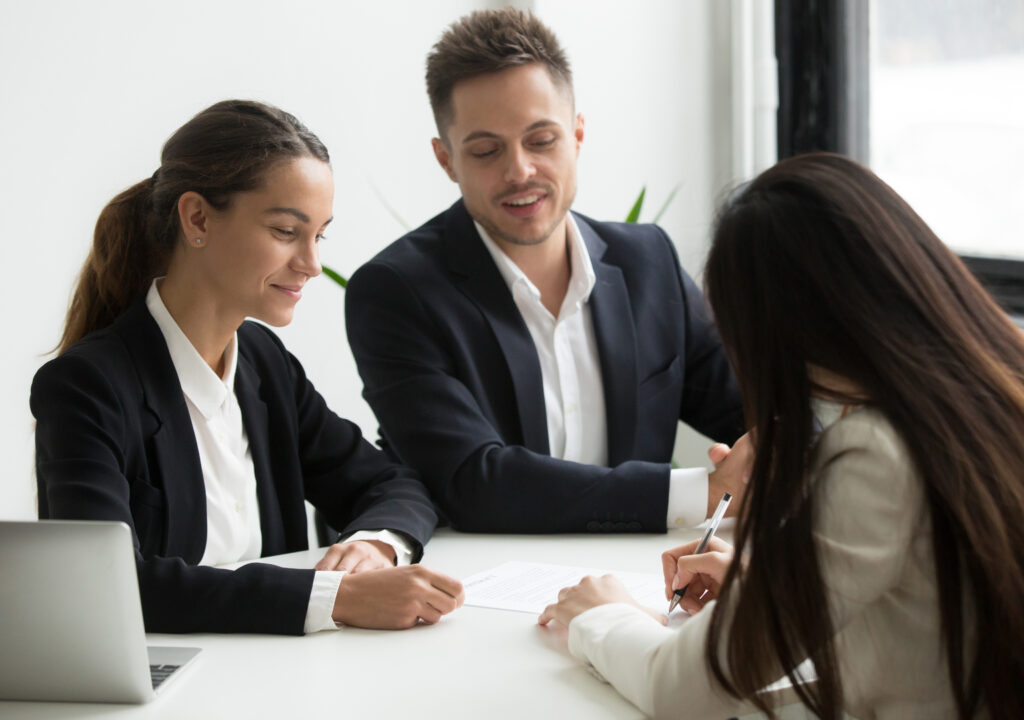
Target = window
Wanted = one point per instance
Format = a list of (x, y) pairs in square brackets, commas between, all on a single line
[(929, 94), (946, 126)]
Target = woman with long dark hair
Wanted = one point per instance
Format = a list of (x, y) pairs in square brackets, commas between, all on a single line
[(882, 533), (167, 410)]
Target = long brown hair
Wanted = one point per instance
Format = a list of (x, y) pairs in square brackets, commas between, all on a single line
[(226, 149), (818, 262)]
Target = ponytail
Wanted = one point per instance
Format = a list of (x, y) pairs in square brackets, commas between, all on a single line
[(225, 149), (124, 259)]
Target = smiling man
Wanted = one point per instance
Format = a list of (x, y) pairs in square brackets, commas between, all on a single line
[(532, 363)]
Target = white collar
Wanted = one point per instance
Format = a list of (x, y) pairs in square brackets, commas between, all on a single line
[(581, 269), (198, 381)]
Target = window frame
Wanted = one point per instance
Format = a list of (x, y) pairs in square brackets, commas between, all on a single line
[(822, 49)]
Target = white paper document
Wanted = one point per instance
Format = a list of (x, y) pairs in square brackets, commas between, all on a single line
[(531, 587)]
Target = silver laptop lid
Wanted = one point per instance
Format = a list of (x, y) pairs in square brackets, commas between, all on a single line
[(70, 617)]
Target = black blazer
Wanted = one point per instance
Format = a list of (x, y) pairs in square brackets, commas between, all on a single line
[(114, 441), (452, 374)]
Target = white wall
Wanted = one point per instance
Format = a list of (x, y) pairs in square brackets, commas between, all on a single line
[(89, 92), (653, 82)]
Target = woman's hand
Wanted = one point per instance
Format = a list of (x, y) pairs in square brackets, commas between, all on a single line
[(357, 556), (590, 592), (701, 575)]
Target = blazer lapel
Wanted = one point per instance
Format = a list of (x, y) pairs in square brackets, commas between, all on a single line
[(254, 418), (483, 284), (616, 344), (174, 442)]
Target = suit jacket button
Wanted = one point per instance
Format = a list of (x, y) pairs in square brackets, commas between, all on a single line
[(593, 526), (634, 526)]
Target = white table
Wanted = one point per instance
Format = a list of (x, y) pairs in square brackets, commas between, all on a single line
[(475, 663)]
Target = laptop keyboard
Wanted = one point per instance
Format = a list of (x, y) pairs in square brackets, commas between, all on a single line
[(159, 673)]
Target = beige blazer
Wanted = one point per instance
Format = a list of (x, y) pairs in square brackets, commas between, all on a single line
[(873, 536)]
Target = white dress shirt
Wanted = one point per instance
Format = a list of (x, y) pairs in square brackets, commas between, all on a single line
[(571, 373), (233, 532)]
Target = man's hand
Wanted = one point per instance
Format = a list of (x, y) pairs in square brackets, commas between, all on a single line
[(590, 592), (731, 473), (701, 575), (394, 598), (357, 556)]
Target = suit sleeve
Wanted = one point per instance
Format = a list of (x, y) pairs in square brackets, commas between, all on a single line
[(83, 454), (356, 485), (432, 421), (711, 399)]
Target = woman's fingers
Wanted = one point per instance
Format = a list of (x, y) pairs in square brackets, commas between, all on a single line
[(712, 564), (668, 563)]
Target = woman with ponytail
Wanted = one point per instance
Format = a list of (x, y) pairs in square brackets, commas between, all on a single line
[(167, 410), (882, 534)]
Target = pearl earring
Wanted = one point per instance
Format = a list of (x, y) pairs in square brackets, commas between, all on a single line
[(199, 241)]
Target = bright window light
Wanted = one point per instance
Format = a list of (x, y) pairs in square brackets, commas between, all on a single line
[(947, 116)]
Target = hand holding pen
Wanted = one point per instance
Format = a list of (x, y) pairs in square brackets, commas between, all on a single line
[(698, 566)]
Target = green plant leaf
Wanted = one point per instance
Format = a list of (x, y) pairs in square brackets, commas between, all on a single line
[(664, 205), (336, 277), (387, 206), (634, 214)]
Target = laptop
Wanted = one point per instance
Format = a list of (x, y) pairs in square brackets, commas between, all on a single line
[(71, 619)]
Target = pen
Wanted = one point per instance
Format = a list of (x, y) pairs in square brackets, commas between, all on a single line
[(712, 527)]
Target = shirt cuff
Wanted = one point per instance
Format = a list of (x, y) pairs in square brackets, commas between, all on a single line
[(321, 601), (593, 624), (403, 553), (687, 497), (616, 641)]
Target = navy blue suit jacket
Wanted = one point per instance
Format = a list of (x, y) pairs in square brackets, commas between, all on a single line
[(114, 441), (452, 374)]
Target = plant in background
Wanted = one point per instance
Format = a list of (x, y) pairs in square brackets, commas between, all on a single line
[(335, 276), (632, 217), (634, 213)]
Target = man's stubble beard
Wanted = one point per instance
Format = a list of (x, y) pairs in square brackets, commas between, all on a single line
[(496, 233)]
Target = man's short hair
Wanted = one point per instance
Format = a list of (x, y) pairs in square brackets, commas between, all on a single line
[(488, 41)]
